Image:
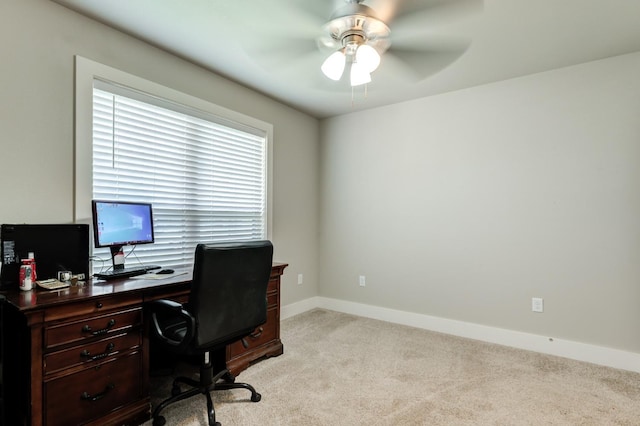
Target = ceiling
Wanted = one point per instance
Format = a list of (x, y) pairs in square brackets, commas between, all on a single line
[(270, 45)]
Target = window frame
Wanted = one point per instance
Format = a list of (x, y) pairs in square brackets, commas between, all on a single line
[(86, 72)]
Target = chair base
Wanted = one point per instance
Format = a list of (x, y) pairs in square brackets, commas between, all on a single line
[(205, 385)]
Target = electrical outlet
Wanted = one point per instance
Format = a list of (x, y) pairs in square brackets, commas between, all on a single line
[(300, 278), (362, 281), (537, 304)]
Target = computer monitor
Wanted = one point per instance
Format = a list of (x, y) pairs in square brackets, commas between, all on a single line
[(120, 223), (56, 247)]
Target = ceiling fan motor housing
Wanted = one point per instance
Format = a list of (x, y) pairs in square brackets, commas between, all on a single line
[(356, 24)]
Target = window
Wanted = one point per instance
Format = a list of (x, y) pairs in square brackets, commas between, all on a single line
[(205, 174)]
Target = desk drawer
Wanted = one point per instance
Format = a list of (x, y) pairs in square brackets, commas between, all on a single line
[(93, 353), (273, 285), (92, 393), (89, 328), (94, 306), (263, 334), (272, 300)]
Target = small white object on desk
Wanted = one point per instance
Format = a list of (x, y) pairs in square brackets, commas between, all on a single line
[(52, 284)]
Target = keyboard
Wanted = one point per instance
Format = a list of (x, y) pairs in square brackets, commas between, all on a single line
[(126, 272)]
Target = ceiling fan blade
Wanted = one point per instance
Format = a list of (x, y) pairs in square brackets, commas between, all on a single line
[(429, 41), (385, 10), (276, 53), (433, 13), (302, 19), (304, 70), (301, 32), (393, 72), (295, 60), (319, 11), (298, 24), (420, 63)]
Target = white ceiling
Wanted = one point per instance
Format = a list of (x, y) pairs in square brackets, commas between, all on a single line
[(269, 45)]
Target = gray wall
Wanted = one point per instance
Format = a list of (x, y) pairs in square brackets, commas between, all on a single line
[(468, 204), (39, 41)]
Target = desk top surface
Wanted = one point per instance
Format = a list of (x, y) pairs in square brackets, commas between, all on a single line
[(39, 298)]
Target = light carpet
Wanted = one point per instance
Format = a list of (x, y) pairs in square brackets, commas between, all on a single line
[(340, 369)]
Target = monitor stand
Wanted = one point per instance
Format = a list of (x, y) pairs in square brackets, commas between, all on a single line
[(117, 257)]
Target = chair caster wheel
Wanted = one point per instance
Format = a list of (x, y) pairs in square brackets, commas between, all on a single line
[(228, 377), (255, 398), (213, 422), (159, 421)]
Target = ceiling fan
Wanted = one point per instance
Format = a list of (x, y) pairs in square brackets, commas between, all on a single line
[(358, 38), (358, 35), (349, 39)]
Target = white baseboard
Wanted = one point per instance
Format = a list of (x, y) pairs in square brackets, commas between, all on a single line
[(543, 344), (296, 308)]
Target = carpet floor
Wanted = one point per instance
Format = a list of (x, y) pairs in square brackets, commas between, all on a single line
[(340, 369)]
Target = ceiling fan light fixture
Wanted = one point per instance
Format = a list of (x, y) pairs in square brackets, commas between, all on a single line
[(359, 74), (360, 36), (333, 66), (368, 57)]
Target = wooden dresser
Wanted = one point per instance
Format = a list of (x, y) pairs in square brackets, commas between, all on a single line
[(80, 356)]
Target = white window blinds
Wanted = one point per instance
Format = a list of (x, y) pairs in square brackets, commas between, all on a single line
[(205, 176)]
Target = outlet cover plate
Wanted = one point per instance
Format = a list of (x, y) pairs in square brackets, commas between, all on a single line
[(537, 304)]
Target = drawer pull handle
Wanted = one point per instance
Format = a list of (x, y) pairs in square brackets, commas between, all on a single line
[(86, 354), (87, 329), (257, 333), (92, 398)]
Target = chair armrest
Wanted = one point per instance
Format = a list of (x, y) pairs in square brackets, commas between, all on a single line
[(170, 309), (165, 305)]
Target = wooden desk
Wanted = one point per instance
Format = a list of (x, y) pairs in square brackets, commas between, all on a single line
[(81, 355)]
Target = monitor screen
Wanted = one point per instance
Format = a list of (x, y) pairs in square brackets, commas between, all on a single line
[(120, 223), (56, 247)]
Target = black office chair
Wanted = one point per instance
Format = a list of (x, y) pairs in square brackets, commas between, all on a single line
[(227, 302)]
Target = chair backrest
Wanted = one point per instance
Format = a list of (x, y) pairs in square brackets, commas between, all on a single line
[(229, 290)]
